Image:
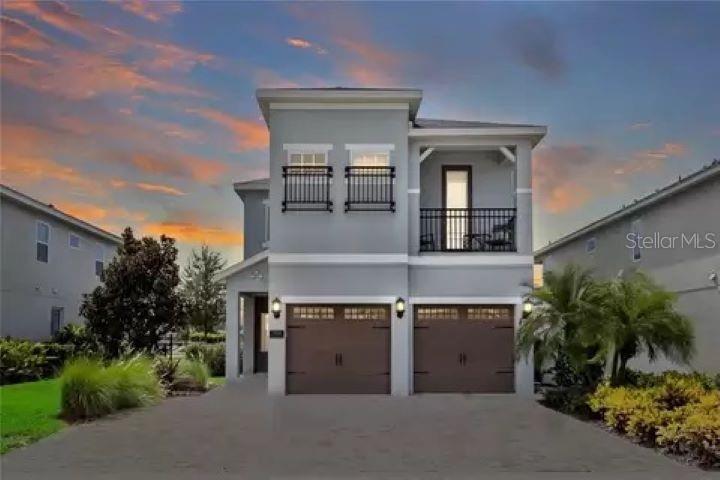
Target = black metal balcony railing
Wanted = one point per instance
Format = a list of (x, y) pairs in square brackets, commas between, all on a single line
[(307, 188), (370, 189), (467, 229)]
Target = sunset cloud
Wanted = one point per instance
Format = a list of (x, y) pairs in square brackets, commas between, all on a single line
[(248, 134), (368, 63), (305, 44), (204, 170), (196, 234), (93, 213), (158, 188), (640, 126), (153, 11), (15, 34)]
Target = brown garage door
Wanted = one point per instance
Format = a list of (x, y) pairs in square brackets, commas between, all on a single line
[(338, 349), (464, 348)]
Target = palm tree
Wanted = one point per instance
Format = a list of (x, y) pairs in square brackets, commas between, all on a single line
[(564, 324), (640, 316)]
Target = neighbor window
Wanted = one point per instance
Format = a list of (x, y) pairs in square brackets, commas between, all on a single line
[(99, 260), (298, 159), (591, 245), (635, 232), (74, 241), (57, 318), (42, 241)]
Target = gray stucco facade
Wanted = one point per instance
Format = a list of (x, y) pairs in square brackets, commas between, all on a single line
[(684, 266), (31, 289), (340, 257)]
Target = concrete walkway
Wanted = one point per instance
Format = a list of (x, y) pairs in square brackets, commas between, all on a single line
[(239, 432)]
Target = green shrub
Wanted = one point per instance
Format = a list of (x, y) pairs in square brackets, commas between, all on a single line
[(137, 384), (90, 389), (24, 361), (192, 375), (212, 354), (212, 337), (166, 369), (77, 337), (87, 391)]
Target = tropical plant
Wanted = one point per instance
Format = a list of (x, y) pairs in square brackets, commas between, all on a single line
[(136, 383), (193, 375), (640, 316), (565, 323), (24, 360), (212, 354), (203, 294), (86, 390), (78, 337), (137, 304)]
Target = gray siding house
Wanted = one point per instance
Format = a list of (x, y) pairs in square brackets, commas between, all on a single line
[(392, 252), (49, 259), (679, 247)]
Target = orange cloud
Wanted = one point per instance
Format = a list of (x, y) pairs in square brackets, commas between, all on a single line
[(183, 166), (248, 134), (154, 11), (667, 150), (94, 213), (15, 34), (157, 188), (369, 64), (194, 233), (305, 44)]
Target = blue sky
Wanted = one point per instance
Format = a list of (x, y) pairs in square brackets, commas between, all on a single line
[(144, 113)]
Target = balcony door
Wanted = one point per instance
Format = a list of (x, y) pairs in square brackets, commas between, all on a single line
[(457, 200)]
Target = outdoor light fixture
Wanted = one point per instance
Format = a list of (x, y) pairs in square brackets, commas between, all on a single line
[(527, 308), (400, 307), (276, 307)]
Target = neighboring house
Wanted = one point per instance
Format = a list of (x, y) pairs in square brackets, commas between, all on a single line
[(679, 247), (396, 250), (49, 259)]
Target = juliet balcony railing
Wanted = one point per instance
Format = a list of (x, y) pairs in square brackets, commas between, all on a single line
[(307, 188), (467, 230), (370, 189)]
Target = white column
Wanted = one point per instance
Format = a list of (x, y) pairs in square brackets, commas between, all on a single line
[(232, 335), (276, 354), (400, 329), (524, 370), (524, 198), (248, 334)]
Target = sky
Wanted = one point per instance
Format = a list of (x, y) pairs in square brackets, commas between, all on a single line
[(143, 113)]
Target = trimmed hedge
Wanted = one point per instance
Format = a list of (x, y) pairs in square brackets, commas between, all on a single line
[(678, 413), (212, 337)]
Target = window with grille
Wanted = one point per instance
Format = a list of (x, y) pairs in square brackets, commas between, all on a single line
[(438, 313), (489, 313), (365, 313), (319, 313)]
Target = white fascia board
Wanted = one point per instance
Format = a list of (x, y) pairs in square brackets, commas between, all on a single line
[(337, 299), (370, 147), (470, 132), (477, 259), (338, 258), (466, 300), (338, 106), (238, 267), (307, 147)]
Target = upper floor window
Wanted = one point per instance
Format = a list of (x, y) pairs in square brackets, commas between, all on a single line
[(73, 241), (42, 242), (99, 260), (307, 178), (635, 235), (591, 245), (369, 159), (307, 159), (370, 179)]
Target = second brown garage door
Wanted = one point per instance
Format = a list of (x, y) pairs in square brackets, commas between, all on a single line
[(464, 348), (338, 349)]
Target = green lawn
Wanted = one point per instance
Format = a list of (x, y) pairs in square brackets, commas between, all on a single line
[(28, 412), (217, 381)]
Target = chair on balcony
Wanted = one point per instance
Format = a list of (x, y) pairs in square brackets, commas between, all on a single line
[(502, 236)]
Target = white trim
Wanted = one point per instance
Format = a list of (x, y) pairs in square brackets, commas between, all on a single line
[(471, 259), (338, 258), (51, 211), (233, 269), (415, 191), (266, 201), (458, 132), (307, 147), (520, 191), (338, 106), (508, 154), (426, 153), (338, 299), (466, 300), (370, 147)]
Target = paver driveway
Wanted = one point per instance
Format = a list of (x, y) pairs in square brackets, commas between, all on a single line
[(239, 432)]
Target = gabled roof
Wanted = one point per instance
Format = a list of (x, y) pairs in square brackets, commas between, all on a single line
[(682, 184), (345, 95), (49, 209), (240, 266)]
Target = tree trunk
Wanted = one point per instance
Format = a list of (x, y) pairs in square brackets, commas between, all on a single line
[(614, 368)]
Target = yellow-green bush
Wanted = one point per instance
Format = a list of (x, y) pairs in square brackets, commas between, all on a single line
[(680, 414)]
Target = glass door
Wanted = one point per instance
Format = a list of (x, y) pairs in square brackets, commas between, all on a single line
[(456, 202)]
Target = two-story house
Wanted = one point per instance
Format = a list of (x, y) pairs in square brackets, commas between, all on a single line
[(49, 260), (391, 252), (673, 235)]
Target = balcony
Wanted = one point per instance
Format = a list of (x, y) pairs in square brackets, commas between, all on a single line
[(370, 189), (307, 188), (467, 230)]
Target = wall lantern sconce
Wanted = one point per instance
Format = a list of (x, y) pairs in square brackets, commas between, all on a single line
[(527, 308), (400, 307), (276, 307)]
